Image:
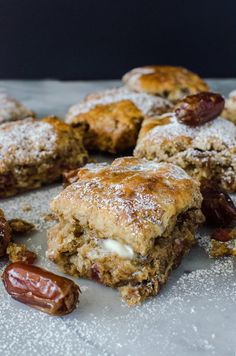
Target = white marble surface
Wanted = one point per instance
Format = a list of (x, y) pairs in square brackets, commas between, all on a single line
[(194, 315)]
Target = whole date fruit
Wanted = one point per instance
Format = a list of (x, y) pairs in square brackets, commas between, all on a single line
[(40, 289), (195, 110), (217, 206)]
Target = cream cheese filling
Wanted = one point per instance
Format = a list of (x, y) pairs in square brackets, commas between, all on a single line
[(122, 250)]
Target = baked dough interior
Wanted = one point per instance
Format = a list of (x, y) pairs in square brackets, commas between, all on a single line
[(126, 225)]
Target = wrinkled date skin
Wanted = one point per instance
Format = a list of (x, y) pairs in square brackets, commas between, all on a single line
[(217, 206), (196, 110), (5, 234), (40, 289)]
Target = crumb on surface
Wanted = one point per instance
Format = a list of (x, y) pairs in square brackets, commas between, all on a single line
[(20, 253), (20, 226)]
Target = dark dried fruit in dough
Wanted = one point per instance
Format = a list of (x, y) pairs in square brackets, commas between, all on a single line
[(222, 235), (5, 234), (195, 110), (40, 289), (217, 206)]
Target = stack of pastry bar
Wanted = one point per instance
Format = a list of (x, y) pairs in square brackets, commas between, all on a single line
[(126, 225)]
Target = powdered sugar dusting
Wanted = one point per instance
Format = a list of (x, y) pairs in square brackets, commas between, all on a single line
[(220, 130), (11, 109), (37, 203), (172, 321), (25, 331), (147, 104), (232, 94), (138, 196), (26, 141), (175, 320)]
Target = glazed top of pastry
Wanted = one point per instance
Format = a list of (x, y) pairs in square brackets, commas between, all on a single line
[(11, 109), (164, 130), (132, 200), (168, 81), (147, 104)]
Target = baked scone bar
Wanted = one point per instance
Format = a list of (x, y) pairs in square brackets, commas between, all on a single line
[(12, 110), (34, 152), (170, 82), (229, 111), (125, 225), (206, 151), (110, 120)]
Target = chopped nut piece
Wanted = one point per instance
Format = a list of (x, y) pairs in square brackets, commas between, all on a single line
[(49, 217), (223, 243), (20, 226), (26, 207), (70, 177), (40, 289), (5, 234), (20, 253), (219, 249)]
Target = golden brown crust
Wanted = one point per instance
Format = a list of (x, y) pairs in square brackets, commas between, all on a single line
[(34, 152), (110, 119), (168, 81), (132, 201), (111, 128)]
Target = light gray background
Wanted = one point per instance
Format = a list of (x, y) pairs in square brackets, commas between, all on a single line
[(194, 315)]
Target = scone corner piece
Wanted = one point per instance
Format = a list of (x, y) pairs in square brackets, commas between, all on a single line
[(126, 225)]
